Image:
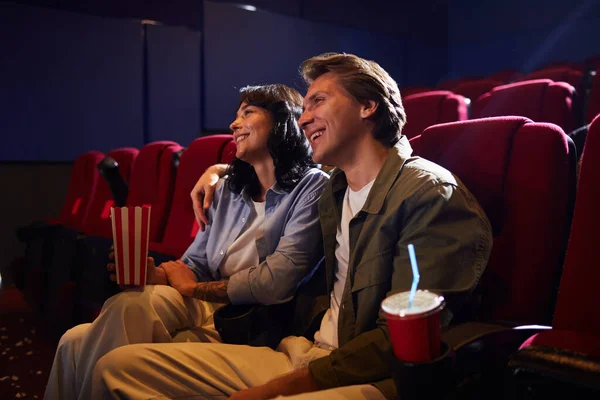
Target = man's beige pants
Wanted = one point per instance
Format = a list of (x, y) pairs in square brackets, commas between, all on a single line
[(208, 371), (156, 314)]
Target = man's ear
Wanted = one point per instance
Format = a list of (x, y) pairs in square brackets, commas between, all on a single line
[(368, 109)]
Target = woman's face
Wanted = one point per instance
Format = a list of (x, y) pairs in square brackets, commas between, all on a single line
[(251, 130)]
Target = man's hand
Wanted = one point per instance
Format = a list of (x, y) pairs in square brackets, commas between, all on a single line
[(202, 193), (255, 393), (154, 275), (299, 381), (180, 276)]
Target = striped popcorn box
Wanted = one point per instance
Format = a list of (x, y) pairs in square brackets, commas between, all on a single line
[(131, 228)]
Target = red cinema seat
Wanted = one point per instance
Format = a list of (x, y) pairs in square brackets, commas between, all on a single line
[(566, 359), (473, 89), (98, 219), (82, 186), (430, 108), (450, 84), (181, 226), (228, 153), (410, 90), (520, 172), (152, 183), (506, 76), (558, 74), (541, 100), (523, 175)]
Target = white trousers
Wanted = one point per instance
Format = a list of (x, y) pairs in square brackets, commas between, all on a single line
[(207, 371), (155, 314)]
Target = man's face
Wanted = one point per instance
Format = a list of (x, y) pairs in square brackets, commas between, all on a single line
[(331, 121)]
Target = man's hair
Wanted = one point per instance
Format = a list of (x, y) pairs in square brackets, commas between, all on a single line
[(364, 80), (289, 148)]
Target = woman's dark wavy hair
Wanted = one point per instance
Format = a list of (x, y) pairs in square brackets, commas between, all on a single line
[(289, 148)]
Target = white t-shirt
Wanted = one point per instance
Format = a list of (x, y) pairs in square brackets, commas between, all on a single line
[(353, 202), (242, 253)]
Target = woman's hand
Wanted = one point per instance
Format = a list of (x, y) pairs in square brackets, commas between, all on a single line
[(180, 276), (202, 193), (154, 275)]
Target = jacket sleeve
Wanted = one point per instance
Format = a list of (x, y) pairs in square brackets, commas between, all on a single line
[(300, 247), (452, 238)]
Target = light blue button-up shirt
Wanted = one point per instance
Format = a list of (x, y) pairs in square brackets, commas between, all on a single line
[(289, 244)]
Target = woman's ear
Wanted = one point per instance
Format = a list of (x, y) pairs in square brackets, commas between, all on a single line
[(368, 109)]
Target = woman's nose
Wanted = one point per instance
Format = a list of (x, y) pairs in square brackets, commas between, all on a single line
[(234, 125)]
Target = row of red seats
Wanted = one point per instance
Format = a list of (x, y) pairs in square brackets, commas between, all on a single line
[(474, 86), (73, 248), (543, 100)]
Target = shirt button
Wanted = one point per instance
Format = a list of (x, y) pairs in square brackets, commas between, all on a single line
[(243, 219), (221, 252)]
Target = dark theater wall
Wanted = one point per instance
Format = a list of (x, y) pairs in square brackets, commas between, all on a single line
[(173, 73), (69, 83), (101, 75), (244, 47), (485, 37)]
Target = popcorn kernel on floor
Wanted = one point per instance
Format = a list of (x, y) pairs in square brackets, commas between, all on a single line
[(26, 348)]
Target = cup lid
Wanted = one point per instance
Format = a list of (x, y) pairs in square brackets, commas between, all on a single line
[(424, 303)]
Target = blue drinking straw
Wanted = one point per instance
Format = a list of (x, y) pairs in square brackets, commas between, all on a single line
[(415, 271)]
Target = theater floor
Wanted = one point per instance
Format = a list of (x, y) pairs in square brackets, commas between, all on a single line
[(26, 348)]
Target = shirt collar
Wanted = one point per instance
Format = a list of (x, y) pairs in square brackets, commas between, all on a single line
[(275, 189)]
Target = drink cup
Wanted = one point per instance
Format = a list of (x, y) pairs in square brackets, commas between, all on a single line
[(415, 330), (131, 228)]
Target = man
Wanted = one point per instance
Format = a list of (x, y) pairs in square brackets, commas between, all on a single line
[(379, 200)]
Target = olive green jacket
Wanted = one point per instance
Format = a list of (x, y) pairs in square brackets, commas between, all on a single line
[(412, 201)]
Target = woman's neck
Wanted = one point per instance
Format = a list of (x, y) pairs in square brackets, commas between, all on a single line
[(265, 171)]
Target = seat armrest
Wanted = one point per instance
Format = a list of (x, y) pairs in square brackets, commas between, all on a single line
[(541, 370), (480, 345), (481, 352)]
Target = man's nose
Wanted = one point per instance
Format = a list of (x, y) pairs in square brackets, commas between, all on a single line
[(305, 119)]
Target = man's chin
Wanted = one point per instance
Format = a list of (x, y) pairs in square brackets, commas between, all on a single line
[(317, 160), (320, 158)]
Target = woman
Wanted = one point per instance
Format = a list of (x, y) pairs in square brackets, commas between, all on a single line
[(263, 240)]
